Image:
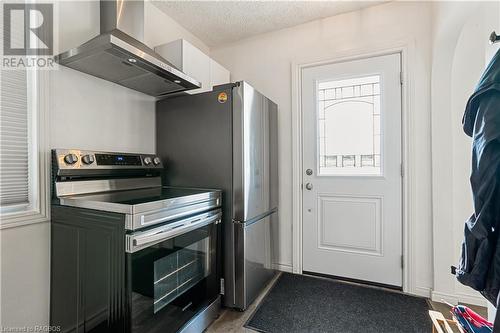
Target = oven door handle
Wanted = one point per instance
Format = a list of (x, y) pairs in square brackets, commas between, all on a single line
[(137, 242)]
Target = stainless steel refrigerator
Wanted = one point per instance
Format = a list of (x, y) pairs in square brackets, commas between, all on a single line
[(227, 139)]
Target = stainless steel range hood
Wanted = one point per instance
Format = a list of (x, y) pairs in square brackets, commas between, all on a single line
[(119, 56)]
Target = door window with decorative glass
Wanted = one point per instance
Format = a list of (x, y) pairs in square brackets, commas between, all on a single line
[(348, 122)]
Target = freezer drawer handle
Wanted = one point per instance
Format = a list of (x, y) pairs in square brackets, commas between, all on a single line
[(172, 231)]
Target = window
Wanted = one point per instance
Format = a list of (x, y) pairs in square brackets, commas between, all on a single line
[(23, 174), (14, 141), (348, 121), (24, 178)]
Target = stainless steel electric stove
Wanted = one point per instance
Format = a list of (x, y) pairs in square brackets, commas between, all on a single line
[(127, 254)]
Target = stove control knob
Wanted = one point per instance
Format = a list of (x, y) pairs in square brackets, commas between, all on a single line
[(88, 159), (71, 159), (148, 160), (156, 161)]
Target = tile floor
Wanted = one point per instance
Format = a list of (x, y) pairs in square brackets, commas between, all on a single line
[(231, 321)]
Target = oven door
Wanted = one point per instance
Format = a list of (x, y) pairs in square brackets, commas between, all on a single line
[(172, 272)]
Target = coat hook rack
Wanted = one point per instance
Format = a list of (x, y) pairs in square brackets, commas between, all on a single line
[(494, 37)]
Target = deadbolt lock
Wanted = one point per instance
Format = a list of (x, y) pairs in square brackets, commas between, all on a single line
[(309, 172)]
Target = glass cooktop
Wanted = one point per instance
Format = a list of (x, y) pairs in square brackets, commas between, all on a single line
[(140, 200)]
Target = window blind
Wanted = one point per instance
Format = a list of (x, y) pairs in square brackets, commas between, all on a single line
[(14, 136)]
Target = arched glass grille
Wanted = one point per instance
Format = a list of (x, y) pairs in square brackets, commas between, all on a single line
[(349, 128)]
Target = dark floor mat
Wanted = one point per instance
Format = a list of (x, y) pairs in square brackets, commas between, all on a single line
[(299, 303)]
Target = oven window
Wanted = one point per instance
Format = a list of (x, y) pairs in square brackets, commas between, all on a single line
[(172, 280), (179, 271)]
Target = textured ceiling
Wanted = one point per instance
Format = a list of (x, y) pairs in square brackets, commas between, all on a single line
[(221, 22)]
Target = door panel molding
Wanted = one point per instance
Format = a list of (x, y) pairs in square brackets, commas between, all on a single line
[(406, 48), (375, 201)]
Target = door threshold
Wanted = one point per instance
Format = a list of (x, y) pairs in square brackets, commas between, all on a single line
[(354, 281)]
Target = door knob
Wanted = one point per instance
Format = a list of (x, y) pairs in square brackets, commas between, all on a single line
[(309, 172), (309, 186)]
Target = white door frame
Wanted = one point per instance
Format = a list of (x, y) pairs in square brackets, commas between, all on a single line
[(406, 49)]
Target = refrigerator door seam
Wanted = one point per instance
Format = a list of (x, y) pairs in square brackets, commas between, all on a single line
[(256, 218)]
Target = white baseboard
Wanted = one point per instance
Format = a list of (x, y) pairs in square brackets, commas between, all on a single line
[(472, 299), (458, 298), (421, 291), (440, 297), (283, 267)]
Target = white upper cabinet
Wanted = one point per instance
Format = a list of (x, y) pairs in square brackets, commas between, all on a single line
[(218, 74), (192, 61)]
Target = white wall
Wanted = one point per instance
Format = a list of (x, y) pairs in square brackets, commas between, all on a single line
[(265, 61), (161, 29), (25, 275), (88, 113), (461, 51)]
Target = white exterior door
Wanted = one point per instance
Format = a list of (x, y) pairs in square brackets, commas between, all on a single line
[(352, 184)]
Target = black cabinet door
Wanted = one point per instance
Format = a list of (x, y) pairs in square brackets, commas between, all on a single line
[(65, 292), (87, 271)]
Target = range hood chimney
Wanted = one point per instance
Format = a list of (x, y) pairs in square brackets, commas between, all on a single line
[(118, 54)]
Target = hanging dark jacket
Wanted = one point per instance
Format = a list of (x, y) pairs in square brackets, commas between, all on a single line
[(479, 265)]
